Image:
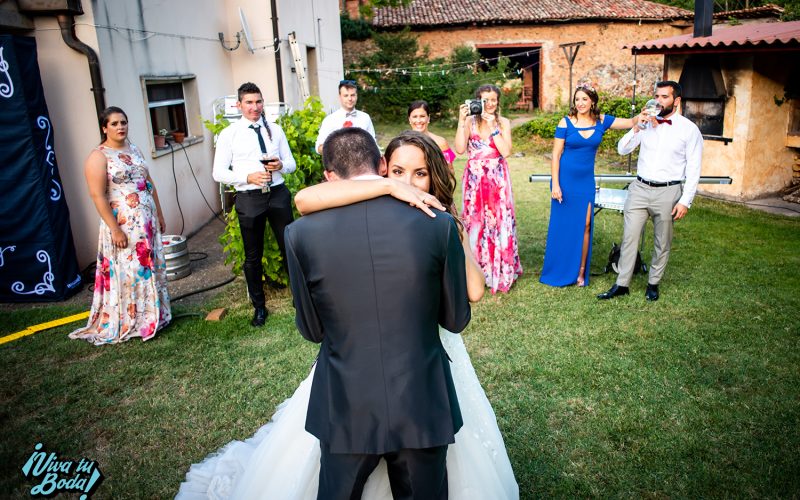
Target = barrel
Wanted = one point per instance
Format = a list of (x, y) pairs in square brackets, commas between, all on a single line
[(176, 253)]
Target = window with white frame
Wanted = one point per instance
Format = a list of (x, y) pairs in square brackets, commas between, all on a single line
[(170, 102)]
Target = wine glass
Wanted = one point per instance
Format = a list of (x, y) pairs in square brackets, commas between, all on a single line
[(651, 109), (265, 159)]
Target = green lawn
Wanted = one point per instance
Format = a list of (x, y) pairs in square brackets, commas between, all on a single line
[(696, 395)]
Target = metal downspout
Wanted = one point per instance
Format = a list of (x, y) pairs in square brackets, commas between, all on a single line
[(276, 45), (67, 24)]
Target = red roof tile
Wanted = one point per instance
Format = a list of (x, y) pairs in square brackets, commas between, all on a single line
[(421, 13), (753, 12), (732, 38)]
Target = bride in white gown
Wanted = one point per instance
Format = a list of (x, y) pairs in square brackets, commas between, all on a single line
[(281, 461)]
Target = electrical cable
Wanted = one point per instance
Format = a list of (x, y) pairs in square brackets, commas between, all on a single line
[(191, 169), (415, 69), (201, 290), (204, 256), (175, 178)]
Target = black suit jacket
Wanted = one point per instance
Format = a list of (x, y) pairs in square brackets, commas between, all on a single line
[(372, 281)]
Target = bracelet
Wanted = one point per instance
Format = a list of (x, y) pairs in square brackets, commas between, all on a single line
[(496, 132)]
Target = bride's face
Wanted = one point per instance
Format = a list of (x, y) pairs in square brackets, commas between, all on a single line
[(407, 164)]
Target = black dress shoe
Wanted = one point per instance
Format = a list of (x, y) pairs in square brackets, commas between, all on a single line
[(651, 293), (259, 316), (614, 291)]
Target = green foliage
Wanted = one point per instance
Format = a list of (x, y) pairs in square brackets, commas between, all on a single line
[(301, 128), (444, 83), (354, 29), (369, 6), (544, 124), (217, 127)]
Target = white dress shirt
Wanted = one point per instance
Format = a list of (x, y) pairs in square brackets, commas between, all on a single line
[(238, 154), (338, 118), (668, 153)]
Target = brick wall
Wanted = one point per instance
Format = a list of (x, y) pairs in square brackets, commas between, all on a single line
[(601, 60)]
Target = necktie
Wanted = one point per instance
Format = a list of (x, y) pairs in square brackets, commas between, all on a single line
[(256, 128), (668, 122)]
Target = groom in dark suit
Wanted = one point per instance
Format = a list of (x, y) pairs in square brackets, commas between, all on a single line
[(372, 281)]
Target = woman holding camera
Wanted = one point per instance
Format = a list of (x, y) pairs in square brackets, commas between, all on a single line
[(488, 212)]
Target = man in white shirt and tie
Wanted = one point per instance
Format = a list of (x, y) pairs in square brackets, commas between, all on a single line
[(252, 156), (346, 116), (670, 152)]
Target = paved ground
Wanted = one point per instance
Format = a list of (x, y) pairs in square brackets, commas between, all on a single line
[(206, 271)]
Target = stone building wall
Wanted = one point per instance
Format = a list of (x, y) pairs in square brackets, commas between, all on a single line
[(601, 61)]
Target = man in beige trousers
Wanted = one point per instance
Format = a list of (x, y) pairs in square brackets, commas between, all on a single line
[(670, 152)]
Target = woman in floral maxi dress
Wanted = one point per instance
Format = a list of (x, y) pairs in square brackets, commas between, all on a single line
[(488, 213), (130, 289)]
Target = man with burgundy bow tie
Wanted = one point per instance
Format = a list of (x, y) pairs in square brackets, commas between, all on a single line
[(346, 116), (252, 156), (670, 153)]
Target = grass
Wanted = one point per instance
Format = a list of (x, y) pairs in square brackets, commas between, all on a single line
[(695, 395)]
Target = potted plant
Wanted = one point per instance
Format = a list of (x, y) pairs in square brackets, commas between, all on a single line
[(179, 136), (160, 140)]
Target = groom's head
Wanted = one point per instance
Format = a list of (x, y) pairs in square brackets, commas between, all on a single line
[(350, 152)]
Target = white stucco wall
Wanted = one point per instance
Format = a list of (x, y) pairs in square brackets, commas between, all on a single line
[(158, 38)]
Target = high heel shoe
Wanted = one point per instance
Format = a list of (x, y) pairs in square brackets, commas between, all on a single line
[(580, 281)]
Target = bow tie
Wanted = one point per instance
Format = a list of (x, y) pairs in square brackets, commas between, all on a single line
[(350, 114), (664, 120)]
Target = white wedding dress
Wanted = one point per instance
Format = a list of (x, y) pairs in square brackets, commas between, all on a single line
[(281, 461)]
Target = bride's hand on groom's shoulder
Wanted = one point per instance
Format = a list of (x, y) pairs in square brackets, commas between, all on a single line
[(414, 197)]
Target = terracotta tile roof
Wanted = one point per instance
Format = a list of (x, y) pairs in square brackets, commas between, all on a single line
[(422, 13), (746, 37), (754, 12)]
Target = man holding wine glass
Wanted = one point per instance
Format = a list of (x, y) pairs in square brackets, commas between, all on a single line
[(252, 156), (670, 153)]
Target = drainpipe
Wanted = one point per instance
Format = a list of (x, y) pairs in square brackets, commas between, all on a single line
[(277, 48), (67, 24)]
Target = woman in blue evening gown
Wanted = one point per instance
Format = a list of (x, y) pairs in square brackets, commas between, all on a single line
[(569, 236)]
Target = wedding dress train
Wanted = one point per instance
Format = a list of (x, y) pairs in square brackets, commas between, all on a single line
[(281, 461)]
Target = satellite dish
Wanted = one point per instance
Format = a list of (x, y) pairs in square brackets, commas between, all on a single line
[(248, 38)]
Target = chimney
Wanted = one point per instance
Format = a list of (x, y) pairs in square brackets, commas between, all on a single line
[(703, 17)]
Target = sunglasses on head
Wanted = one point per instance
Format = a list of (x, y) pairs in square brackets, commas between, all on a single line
[(347, 82)]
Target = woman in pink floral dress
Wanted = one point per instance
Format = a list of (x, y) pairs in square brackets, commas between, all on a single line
[(130, 287), (488, 213)]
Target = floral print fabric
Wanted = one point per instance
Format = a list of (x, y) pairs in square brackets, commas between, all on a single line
[(130, 288), (488, 213)]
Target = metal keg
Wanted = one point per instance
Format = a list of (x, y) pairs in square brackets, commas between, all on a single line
[(176, 252)]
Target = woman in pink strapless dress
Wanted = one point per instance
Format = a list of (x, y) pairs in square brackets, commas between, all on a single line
[(419, 117)]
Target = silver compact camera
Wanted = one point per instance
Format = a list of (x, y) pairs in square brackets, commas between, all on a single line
[(475, 106)]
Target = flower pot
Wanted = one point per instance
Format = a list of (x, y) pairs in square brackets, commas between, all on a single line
[(159, 141), (179, 136)]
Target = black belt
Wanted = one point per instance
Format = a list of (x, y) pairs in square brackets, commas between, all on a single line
[(657, 184), (258, 191)]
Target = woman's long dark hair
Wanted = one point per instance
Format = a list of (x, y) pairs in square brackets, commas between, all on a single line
[(105, 116), (443, 181), (594, 112)]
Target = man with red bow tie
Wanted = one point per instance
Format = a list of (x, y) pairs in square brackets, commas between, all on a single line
[(346, 116), (670, 152)]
